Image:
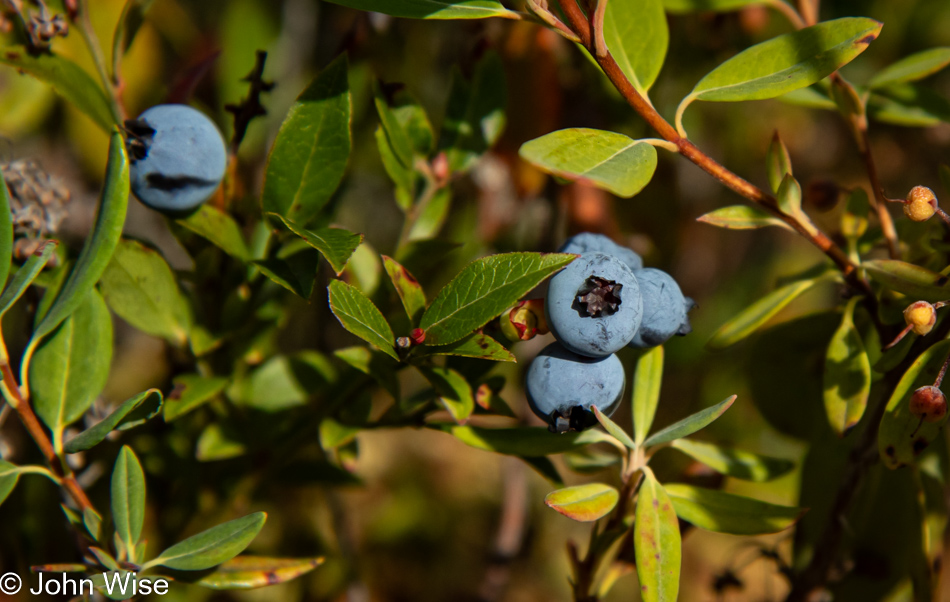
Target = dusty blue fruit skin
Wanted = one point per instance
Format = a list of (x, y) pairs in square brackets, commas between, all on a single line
[(180, 163), (588, 242), (664, 309), (593, 336), (562, 386)]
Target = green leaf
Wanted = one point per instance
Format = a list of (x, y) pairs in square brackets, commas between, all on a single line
[(93, 523), (396, 136), (756, 315), (475, 345), (218, 442), (902, 436), (252, 572), (637, 36), (211, 223), (9, 475), (432, 9), (847, 381), (735, 462), (6, 235), (309, 157), (483, 290), (475, 114), (613, 429), (25, 276), (685, 6), (583, 503), (294, 267), (912, 68), (141, 288), (909, 279), (453, 390), (133, 412), (432, 215), (779, 163), (524, 441), (811, 97), (727, 513), (70, 368), (374, 364), (131, 19), (66, 78), (100, 244), (335, 244), (690, 424), (909, 106), (608, 160), (785, 63), (408, 288), (128, 497), (212, 547), (657, 543), (647, 377), (403, 177), (190, 392), (742, 217), (272, 387), (360, 316)]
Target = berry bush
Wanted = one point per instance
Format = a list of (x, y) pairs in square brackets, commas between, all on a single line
[(445, 299)]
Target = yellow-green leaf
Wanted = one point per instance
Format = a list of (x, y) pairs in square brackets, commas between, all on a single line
[(647, 378), (584, 503), (728, 513), (847, 380), (756, 315), (735, 462), (657, 542)]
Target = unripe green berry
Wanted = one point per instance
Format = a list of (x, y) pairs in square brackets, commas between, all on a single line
[(928, 403), (921, 204), (921, 316)]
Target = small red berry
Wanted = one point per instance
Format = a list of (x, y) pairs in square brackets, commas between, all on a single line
[(418, 336), (929, 403), (921, 316)]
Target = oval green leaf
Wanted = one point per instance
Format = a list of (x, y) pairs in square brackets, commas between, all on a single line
[(735, 462), (728, 513), (335, 244), (475, 345), (657, 542), (252, 572), (310, 154), (637, 36), (608, 160), (141, 288), (911, 68), (690, 424), (902, 436), (133, 412), (453, 390), (70, 368), (432, 9), (408, 288), (66, 78), (583, 503), (212, 547), (847, 380), (128, 497), (647, 378), (361, 317), (483, 290), (190, 392), (909, 279), (524, 441), (756, 315), (742, 217), (219, 228)]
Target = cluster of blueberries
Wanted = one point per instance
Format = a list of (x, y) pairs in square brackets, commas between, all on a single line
[(602, 301)]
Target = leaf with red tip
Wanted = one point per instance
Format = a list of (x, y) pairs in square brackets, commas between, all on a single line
[(584, 503)]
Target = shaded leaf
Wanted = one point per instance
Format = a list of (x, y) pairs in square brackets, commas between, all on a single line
[(727, 513), (211, 223), (335, 244), (778, 162), (396, 136), (454, 391), (735, 462), (133, 412), (637, 36), (294, 268), (141, 288), (742, 217), (909, 106), (408, 288), (475, 345), (128, 497), (911, 68), (584, 503), (9, 475), (432, 9), (360, 316), (789, 196), (483, 290), (312, 148), (847, 380), (647, 378), (211, 547), (608, 160), (475, 113), (284, 382), (67, 78), (25, 276), (524, 441), (909, 279), (6, 238), (191, 391), (685, 6), (432, 215), (690, 424), (374, 364), (657, 543), (251, 572), (217, 442)]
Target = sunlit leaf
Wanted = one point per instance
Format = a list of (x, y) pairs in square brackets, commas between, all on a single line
[(358, 315), (432, 9), (657, 543), (211, 547), (453, 390), (847, 381), (734, 462), (475, 345), (690, 424), (131, 413), (637, 36), (584, 503), (218, 227), (912, 280), (335, 244), (742, 217), (128, 497), (911, 68), (728, 513), (647, 378), (613, 429), (252, 572)]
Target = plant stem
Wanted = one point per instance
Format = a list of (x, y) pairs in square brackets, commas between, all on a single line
[(582, 28), (790, 13), (95, 49)]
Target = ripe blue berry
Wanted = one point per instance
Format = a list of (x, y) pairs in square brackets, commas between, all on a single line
[(593, 306), (588, 242), (562, 386), (664, 309), (177, 158)]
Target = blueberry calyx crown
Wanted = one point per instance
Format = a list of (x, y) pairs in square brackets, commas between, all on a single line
[(575, 419), (599, 295), (140, 136)]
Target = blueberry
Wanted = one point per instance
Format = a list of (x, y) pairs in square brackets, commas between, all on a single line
[(593, 305), (588, 242), (664, 309), (177, 158), (562, 386)]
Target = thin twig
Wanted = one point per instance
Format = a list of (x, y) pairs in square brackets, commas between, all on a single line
[(95, 49), (797, 21)]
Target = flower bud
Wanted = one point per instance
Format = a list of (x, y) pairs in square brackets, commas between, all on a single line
[(929, 404), (921, 204), (525, 321), (921, 316)]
